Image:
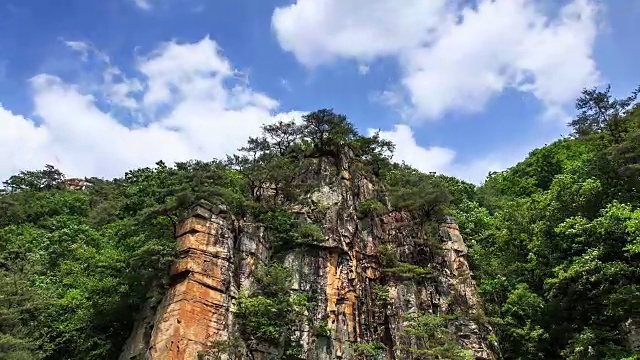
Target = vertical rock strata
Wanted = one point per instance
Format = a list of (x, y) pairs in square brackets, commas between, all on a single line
[(216, 253), (219, 253)]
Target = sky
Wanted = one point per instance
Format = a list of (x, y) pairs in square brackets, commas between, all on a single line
[(462, 87)]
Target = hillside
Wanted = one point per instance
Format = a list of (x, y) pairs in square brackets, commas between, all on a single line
[(312, 244)]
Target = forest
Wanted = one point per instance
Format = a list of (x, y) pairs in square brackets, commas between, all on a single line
[(554, 241)]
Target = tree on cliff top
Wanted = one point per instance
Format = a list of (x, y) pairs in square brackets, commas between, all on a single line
[(277, 164), (38, 180)]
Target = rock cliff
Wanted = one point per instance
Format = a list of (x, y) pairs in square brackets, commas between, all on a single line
[(358, 297)]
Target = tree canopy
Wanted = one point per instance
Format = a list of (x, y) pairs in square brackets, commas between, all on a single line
[(554, 239)]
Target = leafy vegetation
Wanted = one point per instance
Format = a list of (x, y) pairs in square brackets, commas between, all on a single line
[(433, 339), (231, 348), (373, 350), (399, 270), (285, 162), (371, 206), (76, 265), (271, 313), (554, 240), (322, 329), (286, 232), (381, 295), (424, 195)]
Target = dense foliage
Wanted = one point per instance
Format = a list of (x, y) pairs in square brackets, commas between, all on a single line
[(76, 265), (555, 240), (271, 314)]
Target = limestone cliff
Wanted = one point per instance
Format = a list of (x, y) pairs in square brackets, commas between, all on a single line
[(218, 254)]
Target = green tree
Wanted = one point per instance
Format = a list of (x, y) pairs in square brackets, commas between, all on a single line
[(272, 314), (600, 112), (45, 179), (552, 240), (423, 195)]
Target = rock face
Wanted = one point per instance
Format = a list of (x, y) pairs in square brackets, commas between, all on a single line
[(216, 253), (219, 253), (75, 184)]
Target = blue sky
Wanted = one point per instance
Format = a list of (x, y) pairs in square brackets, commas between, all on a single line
[(97, 87)]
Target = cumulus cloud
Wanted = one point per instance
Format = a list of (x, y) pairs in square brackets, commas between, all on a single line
[(320, 31), (453, 56), (407, 149), (444, 160), (205, 114), (180, 71), (23, 144)]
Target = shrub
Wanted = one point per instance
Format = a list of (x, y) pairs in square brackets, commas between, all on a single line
[(261, 319), (322, 329), (372, 350), (371, 206), (232, 348), (386, 255), (309, 233), (273, 280), (430, 338), (286, 232), (401, 270), (271, 314), (381, 295), (425, 196), (408, 271)]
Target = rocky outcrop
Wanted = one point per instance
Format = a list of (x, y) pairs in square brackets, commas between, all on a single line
[(217, 255), (343, 275), (75, 184)]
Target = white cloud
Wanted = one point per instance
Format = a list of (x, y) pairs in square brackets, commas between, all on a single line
[(177, 71), (114, 87), (319, 31), (407, 150), (118, 89), (476, 170), (205, 114), (143, 4), (444, 160), (22, 144), (80, 46), (453, 57), (363, 69)]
